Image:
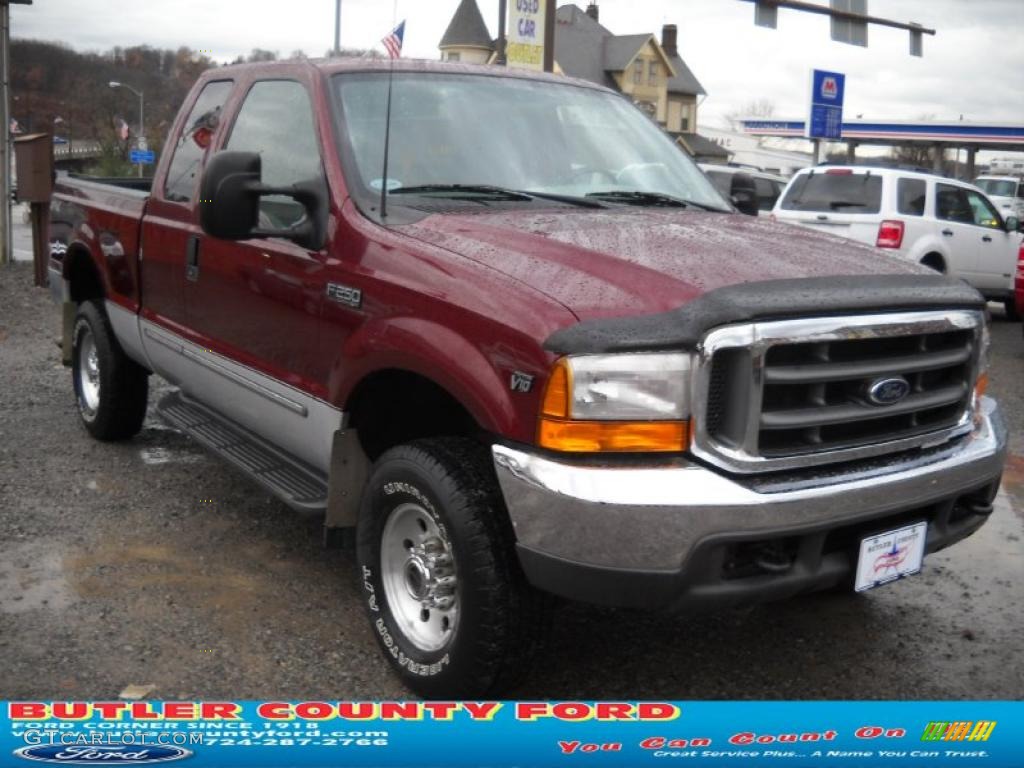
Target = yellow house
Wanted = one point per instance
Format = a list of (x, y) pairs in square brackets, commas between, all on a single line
[(648, 70)]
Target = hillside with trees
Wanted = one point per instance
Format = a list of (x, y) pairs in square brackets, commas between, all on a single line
[(55, 89)]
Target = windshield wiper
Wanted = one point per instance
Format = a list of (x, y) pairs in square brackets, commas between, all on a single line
[(474, 191), (639, 197), (845, 204)]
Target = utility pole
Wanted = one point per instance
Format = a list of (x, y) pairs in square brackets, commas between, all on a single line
[(6, 248), (549, 36), (337, 28), (502, 33)]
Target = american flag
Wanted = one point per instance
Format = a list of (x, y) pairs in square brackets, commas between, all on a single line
[(393, 42)]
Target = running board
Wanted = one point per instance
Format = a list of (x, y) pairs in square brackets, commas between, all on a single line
[(295, 483)]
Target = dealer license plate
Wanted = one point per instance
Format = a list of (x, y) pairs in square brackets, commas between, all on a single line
[(890, 556)]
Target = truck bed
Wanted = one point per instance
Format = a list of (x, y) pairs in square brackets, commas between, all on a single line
[(106, 215)]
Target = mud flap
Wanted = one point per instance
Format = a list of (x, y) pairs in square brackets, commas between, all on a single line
[(68, 310), (349, 470)]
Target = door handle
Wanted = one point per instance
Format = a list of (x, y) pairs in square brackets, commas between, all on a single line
[(986, 239), (947, 232), (192, 259)]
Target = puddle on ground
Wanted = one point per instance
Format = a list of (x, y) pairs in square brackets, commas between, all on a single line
[(31, 580), (158, 455)]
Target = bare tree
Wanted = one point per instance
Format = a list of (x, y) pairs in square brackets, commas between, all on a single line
[(758, 108)]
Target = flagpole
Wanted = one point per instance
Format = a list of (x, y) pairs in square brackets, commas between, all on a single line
[(337, 28)]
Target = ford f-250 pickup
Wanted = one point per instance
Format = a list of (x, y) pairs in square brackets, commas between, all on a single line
[(502, 328)]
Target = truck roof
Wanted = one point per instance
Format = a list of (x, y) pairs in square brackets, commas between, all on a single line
[(363, 64)]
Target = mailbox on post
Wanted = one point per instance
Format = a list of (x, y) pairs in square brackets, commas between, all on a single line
[(33, 157)]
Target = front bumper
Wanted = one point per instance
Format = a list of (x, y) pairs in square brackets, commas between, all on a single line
[(679, 534)]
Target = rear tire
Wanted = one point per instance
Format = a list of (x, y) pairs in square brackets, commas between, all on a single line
[(1010, 305), (111, 389), (443, 589)]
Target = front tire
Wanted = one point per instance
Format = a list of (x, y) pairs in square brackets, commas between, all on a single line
[(443, 589), (111, 389)]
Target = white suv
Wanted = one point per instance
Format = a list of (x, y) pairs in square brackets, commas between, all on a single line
[(945, 224)]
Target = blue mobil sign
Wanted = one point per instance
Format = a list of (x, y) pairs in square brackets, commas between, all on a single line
[(142, 156), (827, 92)]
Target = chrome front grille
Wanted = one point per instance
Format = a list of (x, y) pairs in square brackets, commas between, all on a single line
[(791, 393)]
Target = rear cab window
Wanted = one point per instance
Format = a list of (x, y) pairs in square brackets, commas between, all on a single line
[(196, 136), (835, 191)]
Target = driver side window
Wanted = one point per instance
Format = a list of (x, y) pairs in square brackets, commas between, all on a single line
[(276, 120), (985, 215)]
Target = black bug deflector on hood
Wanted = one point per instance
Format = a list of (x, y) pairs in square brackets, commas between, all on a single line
[(768, 300)]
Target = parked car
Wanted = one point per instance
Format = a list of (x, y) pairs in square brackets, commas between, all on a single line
[(1006, 192), (728, 178), (944, 224), (537, 353)]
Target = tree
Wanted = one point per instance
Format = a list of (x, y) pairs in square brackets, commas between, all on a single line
[(758, 108)]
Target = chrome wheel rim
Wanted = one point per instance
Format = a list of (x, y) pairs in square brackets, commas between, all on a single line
[(88, 373), (419, 577)]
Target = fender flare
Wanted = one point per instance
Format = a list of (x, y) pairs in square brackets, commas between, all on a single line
[(435, 352)]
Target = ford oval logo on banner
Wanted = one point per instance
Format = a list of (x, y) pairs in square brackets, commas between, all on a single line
[(134, 755)]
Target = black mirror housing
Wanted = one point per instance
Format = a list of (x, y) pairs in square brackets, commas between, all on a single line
[(230, 202), (229, 207), (1013, 224)]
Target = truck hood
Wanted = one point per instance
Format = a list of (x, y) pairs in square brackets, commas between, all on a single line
[(630, 261)]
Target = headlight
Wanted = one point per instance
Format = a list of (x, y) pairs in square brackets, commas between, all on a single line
[(623, 402)]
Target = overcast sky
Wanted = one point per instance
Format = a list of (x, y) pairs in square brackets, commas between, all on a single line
[(973, 67)]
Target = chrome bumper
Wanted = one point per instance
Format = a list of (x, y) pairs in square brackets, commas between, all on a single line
[(631, 517)]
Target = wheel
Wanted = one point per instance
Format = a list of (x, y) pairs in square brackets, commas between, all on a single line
[(1010, 305), (447, 600), (111, 389), (934, 261)]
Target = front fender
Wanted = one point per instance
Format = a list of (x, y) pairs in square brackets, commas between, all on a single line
[(476, 374)]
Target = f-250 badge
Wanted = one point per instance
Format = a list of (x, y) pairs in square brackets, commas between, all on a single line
[(343, 294)]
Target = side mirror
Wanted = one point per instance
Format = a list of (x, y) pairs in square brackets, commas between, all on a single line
[(230, 194), (1013, 224), (743, 194)]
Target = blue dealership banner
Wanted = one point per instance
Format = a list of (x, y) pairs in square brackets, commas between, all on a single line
[(508, 733)]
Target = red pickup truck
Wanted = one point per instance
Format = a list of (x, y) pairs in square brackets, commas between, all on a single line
[(500, 327)]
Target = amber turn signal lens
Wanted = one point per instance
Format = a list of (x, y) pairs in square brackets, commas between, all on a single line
[(613, 436), (981, 385), (556, 395)]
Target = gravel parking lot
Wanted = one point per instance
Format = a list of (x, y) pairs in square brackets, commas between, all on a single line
[(149, 562)]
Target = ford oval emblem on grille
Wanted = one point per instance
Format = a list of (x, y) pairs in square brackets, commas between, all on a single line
[(888, 391)]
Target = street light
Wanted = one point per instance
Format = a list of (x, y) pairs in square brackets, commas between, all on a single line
[(142, 112)]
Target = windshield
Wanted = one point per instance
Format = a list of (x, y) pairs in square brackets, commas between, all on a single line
[(838, 191), (998, 187), (506, 132)]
